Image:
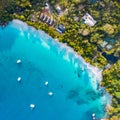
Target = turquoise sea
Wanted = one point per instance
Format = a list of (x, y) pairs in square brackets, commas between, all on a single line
[(73, 82)]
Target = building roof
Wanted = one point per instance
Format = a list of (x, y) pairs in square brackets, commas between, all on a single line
[(108, 47), (58, 9), (46, 19), (88, 19), (51, 22), (47, 7), (60, 28), (108, 66), (76, 19), (41, 16), (104, 44), (33, 18)]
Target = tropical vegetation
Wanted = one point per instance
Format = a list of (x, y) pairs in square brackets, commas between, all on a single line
[(85, 40)]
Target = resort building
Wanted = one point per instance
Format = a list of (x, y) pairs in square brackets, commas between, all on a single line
[(46, 19), (60, 28), (88, 19)]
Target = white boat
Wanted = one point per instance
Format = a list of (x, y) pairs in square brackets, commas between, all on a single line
[(18, 61), (46, 83), (50, 93), (93, 115), (19, 79), (32, 106)]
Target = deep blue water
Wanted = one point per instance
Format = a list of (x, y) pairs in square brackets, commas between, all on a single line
[(75, 94)]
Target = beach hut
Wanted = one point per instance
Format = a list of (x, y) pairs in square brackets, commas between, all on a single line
[(45, 18), (48, 20), (41, 16)]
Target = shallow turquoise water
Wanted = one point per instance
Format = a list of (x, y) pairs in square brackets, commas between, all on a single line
[(72, 81)]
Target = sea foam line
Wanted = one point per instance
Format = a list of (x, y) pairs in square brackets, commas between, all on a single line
[(68, 51)]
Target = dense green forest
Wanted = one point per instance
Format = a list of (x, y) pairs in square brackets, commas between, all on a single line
[(84, 39)]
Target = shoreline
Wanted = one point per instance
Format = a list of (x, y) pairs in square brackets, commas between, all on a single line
[(95, 70)]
